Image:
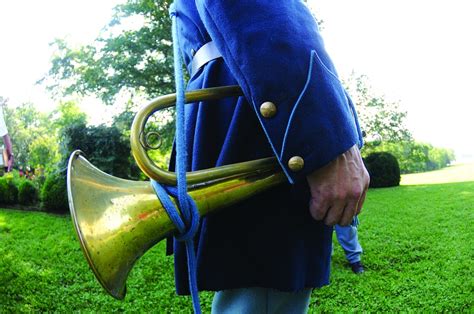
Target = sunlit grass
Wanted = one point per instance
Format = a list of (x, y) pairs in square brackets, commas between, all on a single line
[(418, 252), (455, 173), (42, 268)]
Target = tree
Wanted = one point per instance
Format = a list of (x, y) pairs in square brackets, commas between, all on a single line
[(104, 146), (379, 116), (66, 114), (44, 152), (25, 124), (376, 114), (414, 156), (37, 136), (137, 63), (122, 59)]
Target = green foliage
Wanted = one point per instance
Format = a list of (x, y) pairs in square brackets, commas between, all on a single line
[(161, 122), (383, 169), (8, 191), (414, 156), (26, 125), (66, 114), (439, 158), (54, 193), (44, 153), (27, 193), (123, 59), (36, 136), (412, 264), (105, 147), (379, 116), (376, 114)]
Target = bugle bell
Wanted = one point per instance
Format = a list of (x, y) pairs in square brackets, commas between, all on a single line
[(118, 220)]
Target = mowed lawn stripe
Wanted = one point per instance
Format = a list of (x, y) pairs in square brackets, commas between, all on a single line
[(418, 252), (451, 174)]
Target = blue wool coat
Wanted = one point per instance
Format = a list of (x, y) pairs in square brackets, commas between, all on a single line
[(274, 51)]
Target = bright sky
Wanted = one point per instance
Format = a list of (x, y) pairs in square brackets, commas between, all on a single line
[(27, 28), (419, 52)]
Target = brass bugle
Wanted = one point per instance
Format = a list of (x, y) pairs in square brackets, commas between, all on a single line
[(151, 170), (118, 220)]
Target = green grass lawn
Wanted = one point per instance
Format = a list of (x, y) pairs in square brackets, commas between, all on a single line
[(418, 252)]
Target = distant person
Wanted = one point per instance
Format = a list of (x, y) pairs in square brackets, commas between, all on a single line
[(7, 152), (30, 173), (347, 238)]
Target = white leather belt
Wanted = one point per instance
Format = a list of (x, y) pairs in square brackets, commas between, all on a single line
[(206, 53)]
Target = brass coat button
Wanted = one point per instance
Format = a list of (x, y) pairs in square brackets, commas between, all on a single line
[(296, 163), (268, 109)]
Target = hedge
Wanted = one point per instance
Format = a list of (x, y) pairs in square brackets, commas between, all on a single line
[(8, 191), (27, 193), (54, 194), (383, 169)]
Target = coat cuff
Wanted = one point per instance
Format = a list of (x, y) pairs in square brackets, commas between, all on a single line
[(321, 126)]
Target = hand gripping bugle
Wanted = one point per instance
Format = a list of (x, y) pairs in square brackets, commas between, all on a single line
[(118, 220)]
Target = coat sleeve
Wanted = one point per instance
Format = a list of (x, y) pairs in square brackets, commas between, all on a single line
[(275, 52)]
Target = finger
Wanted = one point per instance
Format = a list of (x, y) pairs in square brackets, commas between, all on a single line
[(361, 202), (318, 208), (348, 213), (334, 213)]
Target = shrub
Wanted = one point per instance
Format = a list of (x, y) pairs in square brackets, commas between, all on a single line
[(54, 193), (414, 156), (27, 193), (105, 147), (383, 169), (8, 191)]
